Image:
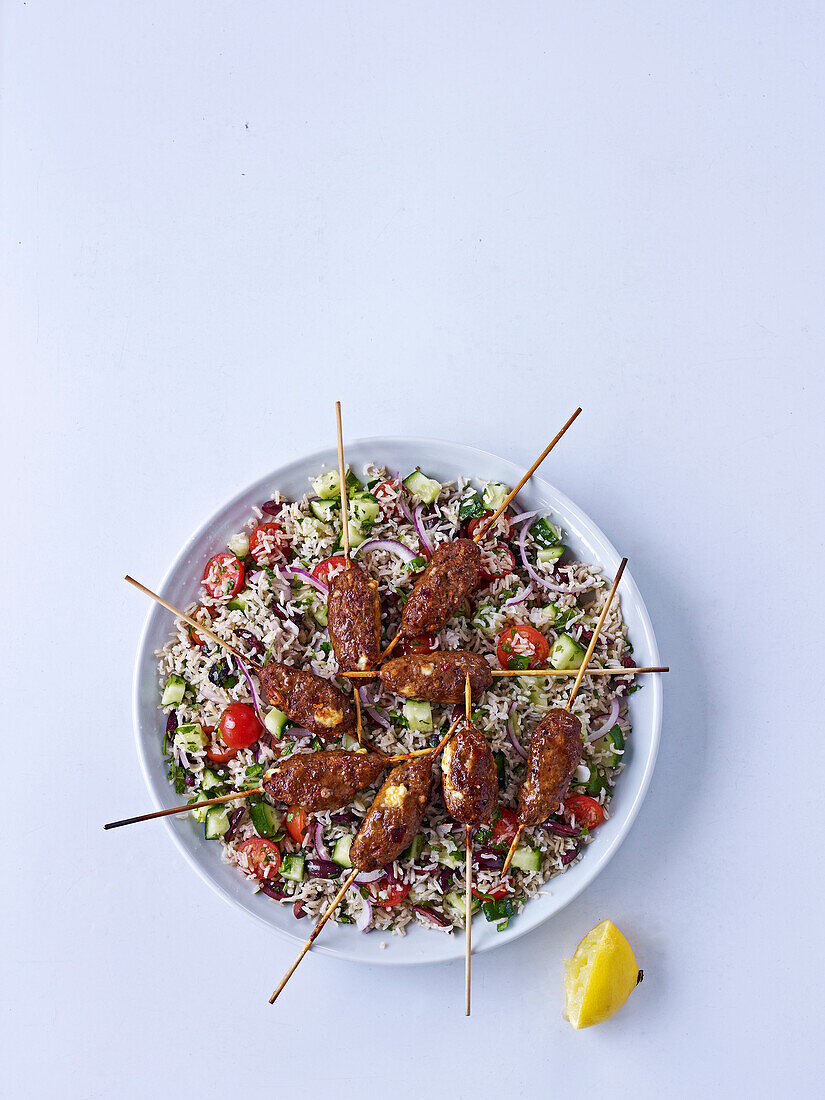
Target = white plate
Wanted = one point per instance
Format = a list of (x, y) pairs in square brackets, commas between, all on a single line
[(444, 461)]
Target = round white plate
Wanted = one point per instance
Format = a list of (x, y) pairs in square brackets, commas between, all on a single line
[(444, 461)]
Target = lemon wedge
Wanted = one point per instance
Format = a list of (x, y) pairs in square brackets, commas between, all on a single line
[(600, 977)]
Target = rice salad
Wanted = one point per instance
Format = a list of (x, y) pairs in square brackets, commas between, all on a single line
[(274, 607)]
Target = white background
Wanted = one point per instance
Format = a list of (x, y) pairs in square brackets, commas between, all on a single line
[(463, 219)]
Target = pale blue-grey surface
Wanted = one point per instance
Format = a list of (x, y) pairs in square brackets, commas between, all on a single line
[(464, 220)]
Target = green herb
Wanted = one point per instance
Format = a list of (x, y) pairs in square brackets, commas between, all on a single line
[(415, 563), (501, 769), (499, 910), (255, 769), (471, 507), (326, 648), (316, 744), (517, 661)]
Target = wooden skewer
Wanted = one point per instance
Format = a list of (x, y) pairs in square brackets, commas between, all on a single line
[(483, 527), (358, 726), (342, 475), (183, 809), (468, 874), (336, 901), (333, 905), (487, 524), (558, 673), (577, 683), (201, 629)]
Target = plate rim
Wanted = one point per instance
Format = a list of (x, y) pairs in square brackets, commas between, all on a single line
[(598, 861)]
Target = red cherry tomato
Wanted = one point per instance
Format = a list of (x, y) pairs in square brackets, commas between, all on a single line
[(296, 823), (203, 616), (259, 858), (496, 895), (388, 894), (504, 829), (497, 560), (522, 641), (586, 810), (238, 726), (502, 528), (325, 570), (223, 576), (265, 535), (218, 754), (422, 643), (386, 493)]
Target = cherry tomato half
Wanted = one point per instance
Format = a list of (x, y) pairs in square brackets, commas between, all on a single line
[(388, 894), (421, 643), (265, 535), (497, 560), (504, 829), (218, 754), (203, 616), (386, 493), (259, 858), (522, 641), (586, 810), (223, 576), (238, 726), (296, 823), (502, 528), (325, 570)]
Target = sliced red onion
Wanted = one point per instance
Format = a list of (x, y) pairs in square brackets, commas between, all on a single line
[(212, 695), (431, 915), (402, 502), (392, 546), (321, 849), (418, 523), (308, 578), (511, 733), (608, 723), (520, 599), (366, 877), (522, 549), (256, 703), (372, 712), (524, 515), (363, 921), (428, 870)]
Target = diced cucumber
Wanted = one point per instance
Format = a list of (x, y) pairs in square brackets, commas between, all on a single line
[(471, 506), (318, 610), (340, 853), (275, 722), (415, 849), (209, 780), (324, 510), (239, 602), (348, 741), (201, 812), (266, 819), (174, 691), (450, 857), (190, 737), (552, 554), (419, 715), (494, 495), (566, 653), (239, 544), (364, 510), (217, 822), (616, 741), (455, 900), (526, 858), (537, 691), (545, 534), (356, 537), (292, 866), (327, 486), (425, 488)]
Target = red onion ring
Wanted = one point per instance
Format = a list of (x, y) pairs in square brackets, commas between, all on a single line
[(372, 712), (520, 599), (321, 849), (608, 723), (418, 523), (363, 921), (366, 877), (392, 546), (256, 703), (308, 579), (431, 915), (524, 515)]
